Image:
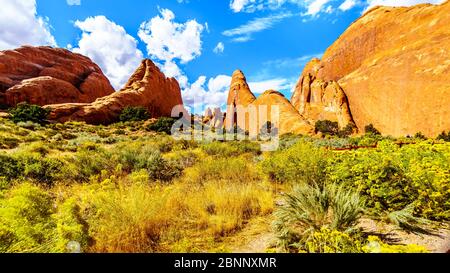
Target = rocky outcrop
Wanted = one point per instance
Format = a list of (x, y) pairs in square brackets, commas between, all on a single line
[(214, 118), (45, 75), (249, 113), (148, 87), (390, 68)]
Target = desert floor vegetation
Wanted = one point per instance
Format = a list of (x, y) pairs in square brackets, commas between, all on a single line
[(130, 187)]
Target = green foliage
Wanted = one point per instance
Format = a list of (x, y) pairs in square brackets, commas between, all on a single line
[(231, 149), (419, 135), (24, 112), (301, 162), (327, 127), (406, 220), (371, 130), (444, 136), (25, 220), (393, 177), (10, 167), (376, 245), (309, 208), (134, 114), (347, 130), (333, 241), (162, 125)]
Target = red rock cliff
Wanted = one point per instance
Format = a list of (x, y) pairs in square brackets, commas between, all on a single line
[(45, 75), (390, 68)]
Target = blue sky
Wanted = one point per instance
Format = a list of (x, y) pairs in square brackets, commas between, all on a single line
[(200, 42)]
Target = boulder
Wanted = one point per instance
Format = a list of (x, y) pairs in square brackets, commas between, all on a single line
[(45, 75)]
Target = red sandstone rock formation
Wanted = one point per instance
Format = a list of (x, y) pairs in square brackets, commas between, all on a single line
[(148, 87), (45, 75), (390, 68)]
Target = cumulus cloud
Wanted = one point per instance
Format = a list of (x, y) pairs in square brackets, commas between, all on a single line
[(220, 47), (347, 5), (21, 25), (73, 2), (110, 46), (278, 84), (168, 40), (203, 93)]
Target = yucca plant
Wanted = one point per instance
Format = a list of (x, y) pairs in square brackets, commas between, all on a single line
[(309, 208), (406, 220)]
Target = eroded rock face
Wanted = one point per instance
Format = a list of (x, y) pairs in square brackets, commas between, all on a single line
[(393, 67), (45, 75), (214, 118), (148, 87), (249, 113), (317, 99)]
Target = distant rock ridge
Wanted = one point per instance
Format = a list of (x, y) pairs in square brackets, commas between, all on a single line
[(147, 87), (45, 75), (390, 68), (249, 113)]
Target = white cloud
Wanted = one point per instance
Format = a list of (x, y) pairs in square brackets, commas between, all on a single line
[(347, 5), (220, 47), (312, 7), (245, 31), (167, 40), (21, 25), (201, 95), (109, 45), (73, 2), (278, 84), (398, 3)]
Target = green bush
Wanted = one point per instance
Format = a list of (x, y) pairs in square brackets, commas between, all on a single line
[(444, 136), (10, 168), (134, 114), (371, 130), (309, 209), (327, 127), (25, 220), (24, 112), (347, 130), (333, 241), (301, 162), (162, 125)]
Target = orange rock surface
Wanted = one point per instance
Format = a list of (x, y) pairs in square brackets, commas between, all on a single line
[(393, 67), (45, 75), (148, 87), (250, 113)]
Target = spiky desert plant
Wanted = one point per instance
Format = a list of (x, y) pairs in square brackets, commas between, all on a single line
[(406, 220), (309, 208)]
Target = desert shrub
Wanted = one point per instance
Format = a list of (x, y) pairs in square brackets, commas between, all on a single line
[(371, 130), (162, 125), (162, 169), (10, 168), (333, 241), (222, 169), (309, 209), (24, 112), (70, 226), (231, 149), (376, 245), (406, 220), (134, 114), (301, 162), (444, 136), (327, 127), (25, 220), (392, 177), (347, 130), (42, 169), (90, 162), (419, 135), (7, 142)]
